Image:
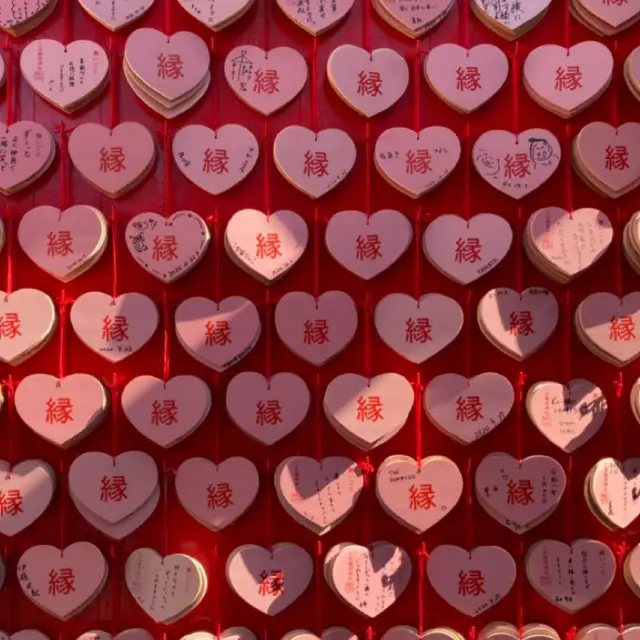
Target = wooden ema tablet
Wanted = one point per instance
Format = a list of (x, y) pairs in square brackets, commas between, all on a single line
[(606, 20), (509, 18), (216, 15), (315, 16), (413, 19), (17, 20)]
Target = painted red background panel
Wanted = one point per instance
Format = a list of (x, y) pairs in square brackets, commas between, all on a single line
[(171, 529)]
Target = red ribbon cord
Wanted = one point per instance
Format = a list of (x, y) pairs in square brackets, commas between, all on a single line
[(115, 415), (417, 252), (10, 93), (468, 503), (367, 335), (317, 418), (62, 344), (569, 499), (9, 218), (522, 377), (64, 167), (114, 251), (416, 88), (114, 64), (267, 336), (417, 411), (166, 338), (316, 254), (422, 564), (168, 178), (266, 185)]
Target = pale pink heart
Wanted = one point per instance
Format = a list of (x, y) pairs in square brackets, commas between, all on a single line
[(218, 334), (216, 494), (247, 564), (62, 242), (27, 318), (216, 14), (267, 410), (387, 567), (312, 162), (146, 49), (267, 245), (516, 164), (27, 488), (571, 241), (346, 394), (365, 244), (42, 63), (417, 329), (606, 632), (449, 566), (468, 408), (83, 560), (545, 64), (316, 17), (91, 480), (115, 15), (632, 572), (416, 162), (614, 14), (610, 154), (128, 634), (567, 415), (518, 323), (510, 13), (321, 493), (417, 17), (167, 247), (609, 323), (16, 16), (338, 633), (613, 487), (60, 410), (126, 526), (165, 412), (316, 329), (114, 328), (265, 80), (232, 633), (464, 250), (112, 159), (405, 632), (498, 473), (215, 159), (35, 151), (632, 66), (466, 78), (145, 575), (25, 634), (368, 81), (551, 565), (401, 484)]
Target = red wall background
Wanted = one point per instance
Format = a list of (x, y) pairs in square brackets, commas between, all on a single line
[(170, 529)]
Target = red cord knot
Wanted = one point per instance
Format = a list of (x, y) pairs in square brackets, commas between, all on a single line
[(168, 472), (370, 633), (619, 385), (620, 549), (366, 466), (417, 385), (522, 378), (319, 550), (62, 128), (113, 551), (212, 45), (472, 633), (116, 382), (422, 552), (571, 634)]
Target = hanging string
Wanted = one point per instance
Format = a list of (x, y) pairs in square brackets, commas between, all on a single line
[(620, 551), (522, 377), (367, 169), (167, 19), (568, 173), (267, 26), (267, 337), (314, 86), (417, 252), (468, 503), (268, 505), (316, 254), (67, 30), (416, 88), (115, 415), (569, 499), (10, 91), (113, 82), (319, 572), (515, 89), (166, 152), (567, 24), (417, 412), (114, 251), (422, 565), (466, 197), (518, 247), (463, 24), (11, 416), (214, 90), (366, 26), (614, 88), (519, 591), (165, 508), (467, 335), (64, 167), (63, 499), (618, 249), (266, 191), (62, 345), (317, 418), (217, 417), (166, 337), (8, 216), (566, 341), (619, 387), (367, 336), (216, 246)]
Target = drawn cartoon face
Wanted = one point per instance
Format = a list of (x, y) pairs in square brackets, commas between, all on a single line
[(490, 165), (539, 150)]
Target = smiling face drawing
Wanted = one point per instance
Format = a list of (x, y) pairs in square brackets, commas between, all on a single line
[(490, 165), (539, 150)]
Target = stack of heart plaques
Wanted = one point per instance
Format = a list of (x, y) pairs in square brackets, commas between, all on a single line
[(506, 631), (605, 18), (631, 242), (423, 16), (631, 571), (510, 20), (18, 19), (632, 72), (169, 74), (546, 241), (116, 495)]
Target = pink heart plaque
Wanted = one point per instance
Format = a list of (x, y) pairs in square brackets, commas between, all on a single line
[(112, 160), (61, 410), (115, 16), (27, 488), (27, 318), (464, 250), (417, 329), (215, 160), (315, 18), (216, 494), (550, 567), (78, 572), (518, 323), (166, 412), (320, 493), (369, 82), (22, 18), (312, 162), (519, 494), (216, 15), (246, 565), (418, 495), (65, 75), (385, 569), (418, 162), (170, 247), (316, 329), (615, 15), (63, 243), (267, 410), (265, 80), (516, 164), (218, 334), (612, 487), (609, 323), (365, 244), (466, 78), (468, 408), (611, 155), (34, 149), (454, 574), (114, 328), (146, 47)]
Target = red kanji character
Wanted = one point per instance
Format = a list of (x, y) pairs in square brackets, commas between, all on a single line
[(470, 583), (421, 497), (520, 492), (521, 323), (61, 583), (316, 164), (468, 79), (219, 496), (10, 324), (170, 67), (268, 412), (112, 160), (115, 329), (616, 158), (418, 330), (469, 408), (268, 246), (164, 413), (59, 243), (568, 78), (58, 411), (113, 489), (369, 84), (215, 161), (468, 250), (517, 166), (266, 81), (217, 333), (622, 329), (164, 248), (271, 584), (418, 161), (10, 502), (369, 409), (368, 247), (316, 332)]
